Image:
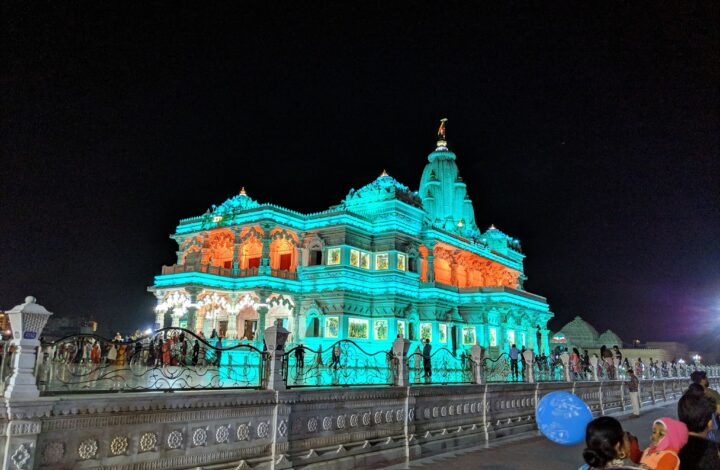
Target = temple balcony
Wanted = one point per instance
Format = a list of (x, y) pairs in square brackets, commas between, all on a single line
[(226, 272)]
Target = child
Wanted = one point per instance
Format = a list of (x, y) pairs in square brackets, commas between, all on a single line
[(668, 437)]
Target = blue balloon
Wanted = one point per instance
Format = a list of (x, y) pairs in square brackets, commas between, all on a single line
[(562, 417)]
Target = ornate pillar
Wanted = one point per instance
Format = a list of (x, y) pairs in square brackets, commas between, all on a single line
[(175, 317), (400, 350), (23, 406), (477, 353), (262, 311), (295, 319), (192, 309), (159, 319), (236, 253), (265, 259), (275, 338), (430, 267), (159, 311)]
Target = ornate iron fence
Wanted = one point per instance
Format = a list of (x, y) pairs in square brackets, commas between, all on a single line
[(443, 367), (170, 359), (344, 363)]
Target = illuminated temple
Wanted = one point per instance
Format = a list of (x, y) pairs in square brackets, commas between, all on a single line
[(386, 261)]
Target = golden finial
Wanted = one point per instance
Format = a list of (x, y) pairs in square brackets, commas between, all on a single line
[(242, 191), (442, 141), (384, 173)]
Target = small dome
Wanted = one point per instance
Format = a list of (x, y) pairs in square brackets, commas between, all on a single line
[(384, 188), (236, 203), (580, 333), (610, 339)]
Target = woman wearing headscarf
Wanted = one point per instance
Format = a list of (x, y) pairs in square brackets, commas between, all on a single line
[(668, 437)]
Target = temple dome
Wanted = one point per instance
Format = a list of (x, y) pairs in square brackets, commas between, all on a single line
[(234, 204), (610, 339), (383, 188), (444, 193), (580, 333)]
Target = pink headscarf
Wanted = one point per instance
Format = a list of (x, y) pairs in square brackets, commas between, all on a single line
[(676, 435)]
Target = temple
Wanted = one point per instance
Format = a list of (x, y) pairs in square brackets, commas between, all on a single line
[(386, 261)]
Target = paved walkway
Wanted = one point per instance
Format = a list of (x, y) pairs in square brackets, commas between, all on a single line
[(535, 453)]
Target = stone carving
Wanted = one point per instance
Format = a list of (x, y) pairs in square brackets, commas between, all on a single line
[(388, 416), (175, 440), (458, 409), (399, 414), (443, 411), (340, 422), (243, 432), (119, 445), (378, 417), (426, 413), (199, 437), (411, 414), (354, 420), (21, 456), (263, 430), (366, 418), (472, 408), (312, 425), (54, 452), (88, 449), (282, 429), (435, 412), (148, 441), (222, 434), (327, 423)]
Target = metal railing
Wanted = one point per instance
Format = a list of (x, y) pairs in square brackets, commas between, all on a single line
[(170, 359), (442, 367), (226, 272), (344, 363)]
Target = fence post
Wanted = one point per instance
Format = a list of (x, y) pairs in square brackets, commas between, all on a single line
[(400, 350), (275, 338), (477, 353), (594, 364), (27, 322), (565, 359), (24, 407), (529, 360)]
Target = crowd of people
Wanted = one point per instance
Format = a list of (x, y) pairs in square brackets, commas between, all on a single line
[(692, 442), (169, 349)]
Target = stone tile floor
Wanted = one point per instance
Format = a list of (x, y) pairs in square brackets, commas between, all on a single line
[(535, 453)]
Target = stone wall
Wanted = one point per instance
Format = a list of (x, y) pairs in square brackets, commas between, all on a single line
[(299, 428)]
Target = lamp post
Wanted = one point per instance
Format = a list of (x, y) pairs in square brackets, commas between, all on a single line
[(27, 321)]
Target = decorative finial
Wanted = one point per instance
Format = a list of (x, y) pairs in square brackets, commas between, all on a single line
[(442, 142), (242, 191), (492, 227), (384, 173)]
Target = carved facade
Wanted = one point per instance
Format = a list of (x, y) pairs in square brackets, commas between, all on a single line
[(386, 261)]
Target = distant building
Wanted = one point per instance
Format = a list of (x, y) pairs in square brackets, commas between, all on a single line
[(582, 335), (387, 261), (58, 327)]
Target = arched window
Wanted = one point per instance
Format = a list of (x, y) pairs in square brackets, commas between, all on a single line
[(315, 258), (313, 328)]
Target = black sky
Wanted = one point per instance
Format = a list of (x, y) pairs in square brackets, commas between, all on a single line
[(591, 134)]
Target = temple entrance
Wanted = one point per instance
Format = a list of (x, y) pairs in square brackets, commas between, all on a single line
[(249, 329), (222, 328), (453, 338)]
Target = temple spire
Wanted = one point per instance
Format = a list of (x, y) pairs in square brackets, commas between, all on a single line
[(441, 142)]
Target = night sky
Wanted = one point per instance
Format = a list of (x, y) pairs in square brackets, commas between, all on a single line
[(590, 135)]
